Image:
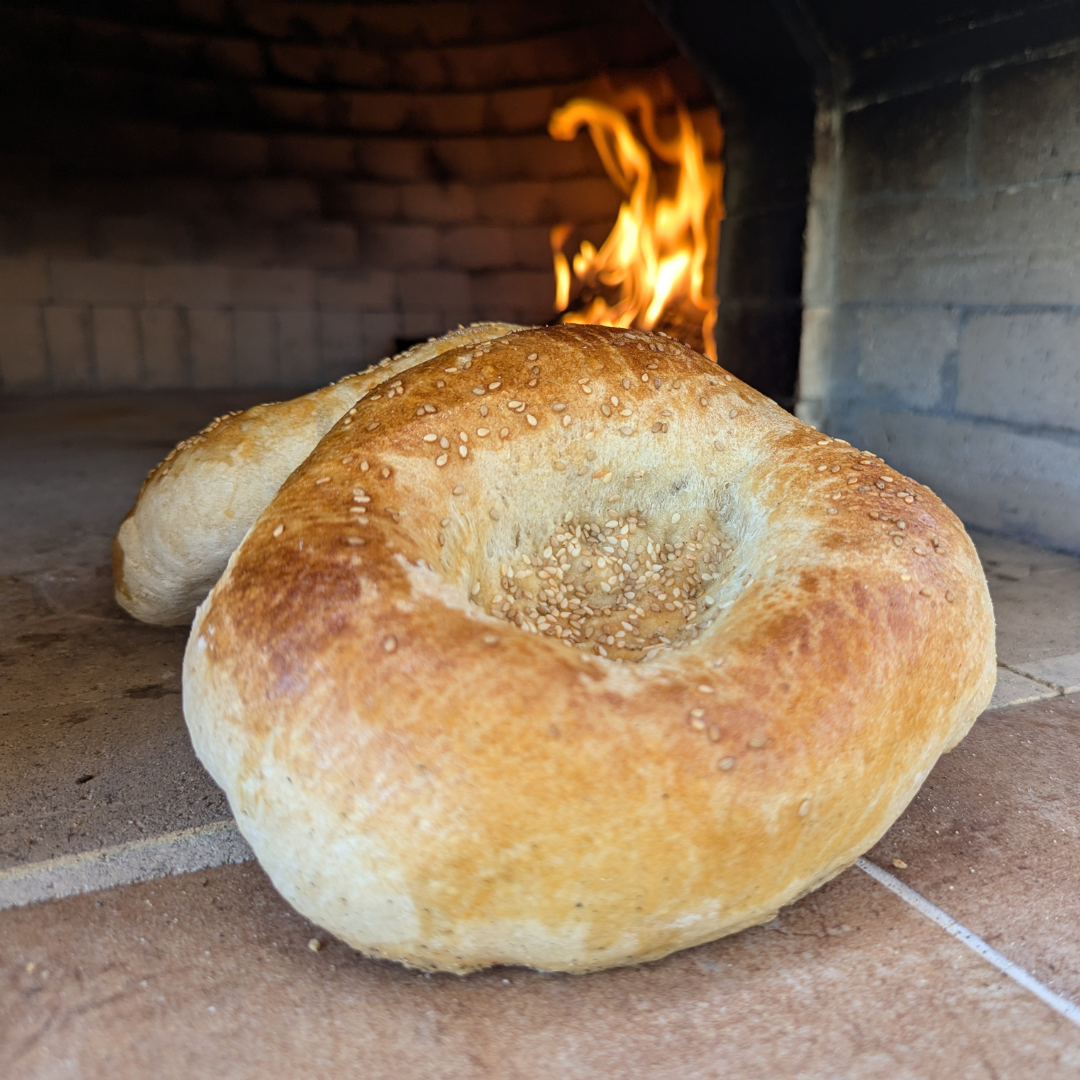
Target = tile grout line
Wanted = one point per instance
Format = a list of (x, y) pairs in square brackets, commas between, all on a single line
[(1059, 1004), (182, 852)]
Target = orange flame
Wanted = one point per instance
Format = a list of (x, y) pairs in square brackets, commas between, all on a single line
[(661, 253)]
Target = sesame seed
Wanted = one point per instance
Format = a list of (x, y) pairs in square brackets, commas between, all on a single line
[(322, 480), (459, 490), (441, 460), (478, 390), (389, 643), (355, 541), (756, 743), (905, 577), (490, 639), (705, 688), (364, 466), (463, 450), (385, 472), (531, 419), (804, 808), (495, 385), (531, 356), (676, 518), (483, 432), (731, 416), (430, 437), (726, 764), (558, 406), (278, 530), (697, 712), (949, 595), (514, 404), (373, 425), (463, 436), (504, 433)]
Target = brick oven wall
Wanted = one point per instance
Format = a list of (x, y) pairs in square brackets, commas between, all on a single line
[(201, 193), (942, 291)]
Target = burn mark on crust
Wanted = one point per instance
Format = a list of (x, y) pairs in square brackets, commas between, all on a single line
[(696, 784)]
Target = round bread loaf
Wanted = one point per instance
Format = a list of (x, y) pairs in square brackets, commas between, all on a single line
[(195, 507), (578, 651)]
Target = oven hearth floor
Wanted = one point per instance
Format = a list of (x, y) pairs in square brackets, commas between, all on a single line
[(191, 965)]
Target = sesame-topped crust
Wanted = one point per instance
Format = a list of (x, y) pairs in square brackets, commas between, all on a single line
[(575, 651), (195, 507)]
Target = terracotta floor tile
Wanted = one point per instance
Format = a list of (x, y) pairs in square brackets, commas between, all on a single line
[(210, 974), (994, 837)]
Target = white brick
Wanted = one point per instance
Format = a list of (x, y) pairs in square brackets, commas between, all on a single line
[(23, 281), (163, 347), (298, 348), (280, 288), (380, 337), (515, 295), (197, 285), (23, 362), (478, 247), (117, 350), (992, 477), (1021, 367), (1013, 689), (255, 349), (399, 246), (96, 282), (67, 340), (902, 353), (435, 290), (365, 290), (422, 324), (322, 244), (210, 337), (1061, 672), (340, 342)]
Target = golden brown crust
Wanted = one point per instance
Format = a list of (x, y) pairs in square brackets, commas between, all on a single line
[(196, 506), (441, 787)]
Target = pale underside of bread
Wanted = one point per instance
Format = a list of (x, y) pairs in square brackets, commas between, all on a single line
[(437, 786), (197, 505)]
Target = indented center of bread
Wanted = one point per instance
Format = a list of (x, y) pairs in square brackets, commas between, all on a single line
[(625, 587)]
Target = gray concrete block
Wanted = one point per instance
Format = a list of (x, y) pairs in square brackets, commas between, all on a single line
[(255, 349), (23, 359), (95, 282), (902, 353), (1021, 367), (1030, 122), (68, 345), (164, 347), (117, 347), (210, 344), (365, 290), (274, 288), (23, 281), (196, 285), (991, 476), (1007, 247), (914, 143), (298, 347)]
